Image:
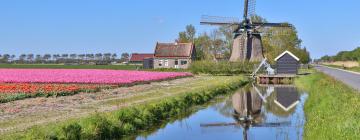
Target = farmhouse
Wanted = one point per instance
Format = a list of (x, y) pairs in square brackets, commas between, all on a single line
[(174, 55), (287, 63), (138, 58)]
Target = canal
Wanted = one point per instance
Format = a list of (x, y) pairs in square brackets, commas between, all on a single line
[(268, 112)]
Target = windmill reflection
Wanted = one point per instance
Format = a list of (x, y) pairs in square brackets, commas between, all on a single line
[(249, 105)]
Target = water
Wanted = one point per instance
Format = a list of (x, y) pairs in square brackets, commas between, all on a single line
[(253, 112)]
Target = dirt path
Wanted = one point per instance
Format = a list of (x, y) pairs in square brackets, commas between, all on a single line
[(22, 114)]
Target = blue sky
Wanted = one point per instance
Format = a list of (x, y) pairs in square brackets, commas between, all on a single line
[(116, 26)]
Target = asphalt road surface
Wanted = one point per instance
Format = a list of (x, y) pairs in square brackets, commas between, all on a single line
[(350, 78)]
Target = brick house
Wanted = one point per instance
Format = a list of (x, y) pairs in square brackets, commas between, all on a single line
[(174, 55)]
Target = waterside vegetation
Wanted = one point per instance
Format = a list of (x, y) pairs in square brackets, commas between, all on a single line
[(331, 109)]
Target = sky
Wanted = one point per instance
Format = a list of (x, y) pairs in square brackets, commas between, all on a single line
[(117, 26)]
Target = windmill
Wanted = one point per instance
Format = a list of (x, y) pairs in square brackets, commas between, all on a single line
[(247, 112), (247, 44), (247, 106)]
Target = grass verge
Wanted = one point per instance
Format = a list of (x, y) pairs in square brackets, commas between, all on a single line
[(355, 69), (332, 109), (130, 120)]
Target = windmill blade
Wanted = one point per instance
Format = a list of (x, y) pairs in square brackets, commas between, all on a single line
[(217, 124), (272, 24), (252, 8), (217, 20), (270, 124), (276, 124)]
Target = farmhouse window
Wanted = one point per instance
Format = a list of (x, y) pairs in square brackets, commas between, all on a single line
[(166, 63), (160, 62), (183, 62), (176, 62)]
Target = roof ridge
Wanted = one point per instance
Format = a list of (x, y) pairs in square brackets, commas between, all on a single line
[(287, 52)]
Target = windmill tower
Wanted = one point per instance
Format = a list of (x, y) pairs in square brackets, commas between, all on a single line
[(247, 44)]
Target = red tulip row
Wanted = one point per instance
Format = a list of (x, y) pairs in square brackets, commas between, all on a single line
[(16, 91)]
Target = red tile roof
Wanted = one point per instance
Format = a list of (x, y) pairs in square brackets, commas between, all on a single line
[(174, 50), (137, 57)]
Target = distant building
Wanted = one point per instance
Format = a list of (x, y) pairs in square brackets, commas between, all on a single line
[(174, 55), (148, 63), (287, 63), (138, 58)]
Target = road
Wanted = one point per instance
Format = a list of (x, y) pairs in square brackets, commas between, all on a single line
[(350, 78)]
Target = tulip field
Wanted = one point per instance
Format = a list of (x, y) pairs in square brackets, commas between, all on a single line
[(18, 84)]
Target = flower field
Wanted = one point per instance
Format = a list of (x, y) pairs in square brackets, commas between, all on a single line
[(84, 76), (18, 84)]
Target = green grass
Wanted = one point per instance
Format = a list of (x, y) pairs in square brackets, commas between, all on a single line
[(332, 109), (62, 66), (136, 117), (355, 69)]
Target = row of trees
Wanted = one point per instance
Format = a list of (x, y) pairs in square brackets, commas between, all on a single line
[(353, 55), (217, 44), (64, 58)]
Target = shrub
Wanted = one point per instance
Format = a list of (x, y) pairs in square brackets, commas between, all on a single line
[(222, 68), (100, 128), (72, 131)]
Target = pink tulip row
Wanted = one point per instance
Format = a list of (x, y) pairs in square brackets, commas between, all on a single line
[(84, 76)]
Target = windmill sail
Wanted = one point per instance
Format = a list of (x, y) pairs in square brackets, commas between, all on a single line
[(247, 44), (217, 20)]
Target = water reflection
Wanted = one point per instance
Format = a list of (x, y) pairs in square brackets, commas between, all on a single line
[(252, 112)]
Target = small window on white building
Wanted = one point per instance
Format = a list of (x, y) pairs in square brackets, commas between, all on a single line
[(166, 63), (176, 62), (183, 62), (160, 63)]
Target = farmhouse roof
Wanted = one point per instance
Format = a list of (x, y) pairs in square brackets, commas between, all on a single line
[(287, 52), (174, 49), (136, 57)]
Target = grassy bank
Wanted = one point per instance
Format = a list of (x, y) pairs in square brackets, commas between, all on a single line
[(136, 117), (332, 109), (62, 66), (355, 69)]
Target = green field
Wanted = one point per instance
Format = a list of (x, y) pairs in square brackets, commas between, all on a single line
[(62, 66), (332, 109), (355, 69)]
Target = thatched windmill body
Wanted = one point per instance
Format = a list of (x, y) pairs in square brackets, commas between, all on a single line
[(247, 44)]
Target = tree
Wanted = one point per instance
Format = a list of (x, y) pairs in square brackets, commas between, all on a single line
[(82, 56), (277, 40), (98, 56), (107, 56), (73, 56), (22, 57), (38, 58), (6, 57), (353, 55), (30, 57), (188, 35), (228, 36), (203, 47), (65, 56), (56, 56), (90, 56), (12, 57), (113, 56), (47, 57), (124, 57)]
